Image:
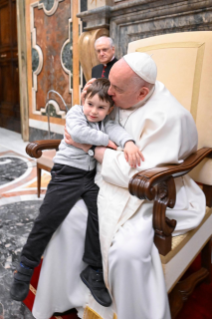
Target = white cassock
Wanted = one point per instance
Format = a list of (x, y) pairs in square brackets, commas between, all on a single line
[(165, 132)]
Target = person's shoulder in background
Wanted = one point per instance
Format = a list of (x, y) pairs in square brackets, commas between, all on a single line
[(97, 71)]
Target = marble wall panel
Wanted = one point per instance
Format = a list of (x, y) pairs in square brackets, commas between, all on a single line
[(52, 31), (142, 19), (53, 36)]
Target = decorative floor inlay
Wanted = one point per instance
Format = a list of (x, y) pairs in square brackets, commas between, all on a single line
[(16, 221), (18, 175), (11, 309), (19, 207), (11, 168)]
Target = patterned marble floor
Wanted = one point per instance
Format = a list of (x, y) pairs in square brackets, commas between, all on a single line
[(18, 208)]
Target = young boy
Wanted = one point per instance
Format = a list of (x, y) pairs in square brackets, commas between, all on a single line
[(73, 178)]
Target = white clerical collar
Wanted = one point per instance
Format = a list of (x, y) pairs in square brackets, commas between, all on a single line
[(110, 60)]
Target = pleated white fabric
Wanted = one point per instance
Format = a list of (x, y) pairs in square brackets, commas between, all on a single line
[(134, 268), (135, 272), (60, 287)]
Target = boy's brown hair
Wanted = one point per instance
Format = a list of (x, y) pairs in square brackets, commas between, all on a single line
[(100, 87)]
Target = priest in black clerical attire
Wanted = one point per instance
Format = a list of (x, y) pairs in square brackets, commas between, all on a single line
[(105, 52)]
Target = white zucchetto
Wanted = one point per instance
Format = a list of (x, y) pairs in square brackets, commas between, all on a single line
[(143, 65)]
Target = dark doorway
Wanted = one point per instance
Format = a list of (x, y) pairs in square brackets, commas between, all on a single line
[(9, 75)]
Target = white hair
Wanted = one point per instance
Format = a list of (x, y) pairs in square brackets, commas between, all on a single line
[(103, 38)]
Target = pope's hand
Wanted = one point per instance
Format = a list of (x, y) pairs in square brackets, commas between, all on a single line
[(112, 145), (85, 89), (99, 153)]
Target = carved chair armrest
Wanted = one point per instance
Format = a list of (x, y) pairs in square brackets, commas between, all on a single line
[(158, 184), (34, 149)]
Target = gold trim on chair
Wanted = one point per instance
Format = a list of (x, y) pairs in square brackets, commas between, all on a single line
[(200, 46), (90, 314), (32, 289), (181, 240)]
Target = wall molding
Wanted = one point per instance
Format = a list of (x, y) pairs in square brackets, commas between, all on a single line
[(131, 21), (52, 10), (22, 63)]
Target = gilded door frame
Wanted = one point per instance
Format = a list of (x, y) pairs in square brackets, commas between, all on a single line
[(22, 62)]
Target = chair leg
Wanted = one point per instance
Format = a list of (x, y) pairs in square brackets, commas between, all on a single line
[(208, 194), (206, 260), (184, 289), (38, 180)]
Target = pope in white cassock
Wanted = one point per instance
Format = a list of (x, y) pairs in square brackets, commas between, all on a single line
[(165, 133)]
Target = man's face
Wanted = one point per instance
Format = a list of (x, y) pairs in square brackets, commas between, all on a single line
[(104, 51), (121, 87)]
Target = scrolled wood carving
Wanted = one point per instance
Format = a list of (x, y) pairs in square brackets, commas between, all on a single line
[(158, 184), (164, 195), (87, 55), (163, 226), (34, 149), (140, 187)]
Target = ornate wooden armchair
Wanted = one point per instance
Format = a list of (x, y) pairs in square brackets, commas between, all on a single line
[(44, 159), (183, 61)]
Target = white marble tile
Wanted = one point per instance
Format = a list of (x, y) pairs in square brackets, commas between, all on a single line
[(16, 220), (2, 148), (31, 197), (21, 198), (10, 140)]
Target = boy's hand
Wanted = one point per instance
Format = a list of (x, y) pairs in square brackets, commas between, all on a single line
[(112, 145), (132, 154)]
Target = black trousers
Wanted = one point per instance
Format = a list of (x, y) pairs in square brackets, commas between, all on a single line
[(68, 184)]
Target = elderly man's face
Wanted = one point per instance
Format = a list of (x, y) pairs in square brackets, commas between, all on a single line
[(122, 88), (104, 51)]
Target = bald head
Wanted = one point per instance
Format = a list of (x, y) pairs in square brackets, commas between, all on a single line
[(124, 71), (127, 88), (104, 49), (121, 70)]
